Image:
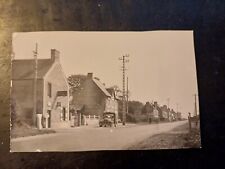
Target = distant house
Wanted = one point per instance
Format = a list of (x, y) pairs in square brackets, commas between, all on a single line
[(52, 91), (94, 98), (165, 113), (173, 115), (179, 116), (112, 104), (156, 113)]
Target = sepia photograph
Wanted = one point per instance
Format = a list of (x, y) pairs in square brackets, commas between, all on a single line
[(92, 91)]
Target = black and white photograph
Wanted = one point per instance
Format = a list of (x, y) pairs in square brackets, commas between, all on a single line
[(91, 91)]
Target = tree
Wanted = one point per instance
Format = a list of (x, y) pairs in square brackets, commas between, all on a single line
[(135, 107), (75, 82), (147, 108)]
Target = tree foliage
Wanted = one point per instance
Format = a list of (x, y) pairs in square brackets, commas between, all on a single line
[(75, 82), (135, 107), (147, 108)]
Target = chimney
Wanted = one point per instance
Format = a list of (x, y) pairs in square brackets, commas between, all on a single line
[(55, 55), (90, 75)]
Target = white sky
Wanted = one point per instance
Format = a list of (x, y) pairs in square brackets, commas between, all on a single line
[(161, 66)]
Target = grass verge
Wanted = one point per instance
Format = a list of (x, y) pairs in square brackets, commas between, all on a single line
[(24, 132), (179, 137)]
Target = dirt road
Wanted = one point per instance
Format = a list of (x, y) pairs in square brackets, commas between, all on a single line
[(91, 138)]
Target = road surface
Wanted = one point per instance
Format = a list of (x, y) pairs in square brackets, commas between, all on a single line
[(90, 138)]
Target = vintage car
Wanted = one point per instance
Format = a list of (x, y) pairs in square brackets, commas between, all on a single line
[(108, 120)]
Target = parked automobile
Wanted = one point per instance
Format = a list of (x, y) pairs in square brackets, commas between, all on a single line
[(108, 120)]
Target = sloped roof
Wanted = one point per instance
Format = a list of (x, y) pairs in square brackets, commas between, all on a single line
[(101, 87), (112, 92), (24, 69)]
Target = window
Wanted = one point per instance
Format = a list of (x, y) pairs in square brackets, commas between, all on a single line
[(58, 104), (49, 89), (64, 114)]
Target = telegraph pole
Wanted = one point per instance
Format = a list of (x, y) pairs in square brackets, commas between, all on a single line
[(127, 95), (124, 61), (177, 107), (35, 84), (195, 109), (168, 102)]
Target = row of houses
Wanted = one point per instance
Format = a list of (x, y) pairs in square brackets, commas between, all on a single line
[(56, 106), (156, 112), (167, 114), (53, 100)]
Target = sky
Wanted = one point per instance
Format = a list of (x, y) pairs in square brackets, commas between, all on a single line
[(161, 63)]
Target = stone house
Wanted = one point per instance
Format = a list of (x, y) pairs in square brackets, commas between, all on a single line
[(165, 113), (52, 91), (94, 98)]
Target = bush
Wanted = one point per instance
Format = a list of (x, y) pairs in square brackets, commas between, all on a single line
[(19, 115), (130, 118), (136, 118)]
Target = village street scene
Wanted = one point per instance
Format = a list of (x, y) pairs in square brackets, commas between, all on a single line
[(89, 91)]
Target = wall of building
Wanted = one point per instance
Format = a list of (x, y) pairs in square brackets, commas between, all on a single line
[(58, 82), (22, 95), (91, 97), (111, 105)]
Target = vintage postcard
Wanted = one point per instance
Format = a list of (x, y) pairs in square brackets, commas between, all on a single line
[(91, 91)]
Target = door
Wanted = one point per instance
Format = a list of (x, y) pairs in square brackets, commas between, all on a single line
[(64, 114), (49, 119)]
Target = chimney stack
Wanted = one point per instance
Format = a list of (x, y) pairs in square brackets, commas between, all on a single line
[(90, 75), (55, 55)]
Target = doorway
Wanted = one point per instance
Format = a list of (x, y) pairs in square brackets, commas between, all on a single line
[(64, 114), (49, 119)]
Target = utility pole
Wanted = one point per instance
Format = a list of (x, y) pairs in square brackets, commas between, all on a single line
[(124, 61), (168, 102), (177, 106), (195, 109), (35, 84), (127, 95)]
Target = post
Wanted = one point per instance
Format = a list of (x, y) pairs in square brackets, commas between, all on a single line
[(35, 87), (39, 124), (168, 102), (195, 109), (189, 121), (124, 60), (177, 111), (127, 97), (124, 115)]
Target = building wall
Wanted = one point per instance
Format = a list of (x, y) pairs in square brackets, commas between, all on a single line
[(58, 82), (111, 105), (165, 114), (22, 94), (91, 97)]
